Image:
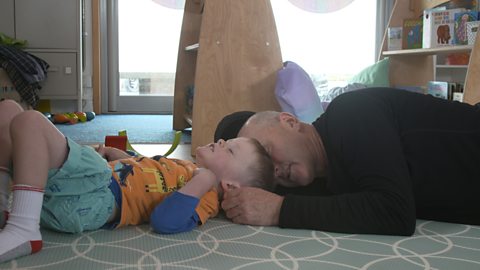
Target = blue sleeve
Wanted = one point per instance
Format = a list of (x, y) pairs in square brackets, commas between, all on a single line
[(175, 214)]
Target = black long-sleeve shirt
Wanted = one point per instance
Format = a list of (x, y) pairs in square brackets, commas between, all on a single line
[(393, 156)]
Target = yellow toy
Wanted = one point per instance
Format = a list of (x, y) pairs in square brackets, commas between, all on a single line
[(121, 142)]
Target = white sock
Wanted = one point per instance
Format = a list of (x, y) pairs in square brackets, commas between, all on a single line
[(21, 235), (4, 195)]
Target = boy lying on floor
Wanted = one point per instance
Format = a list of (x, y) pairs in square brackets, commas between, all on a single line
[(67, 187)]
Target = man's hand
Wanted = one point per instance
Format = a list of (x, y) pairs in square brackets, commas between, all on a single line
[(252, 206)]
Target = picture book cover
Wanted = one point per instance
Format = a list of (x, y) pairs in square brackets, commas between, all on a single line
[(460, 26), (438, 89), (438, 27), (394, 38), (412, 33), (472, 29)]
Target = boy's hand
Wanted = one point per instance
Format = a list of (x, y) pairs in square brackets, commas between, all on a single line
[(101, 150), (111, 153)]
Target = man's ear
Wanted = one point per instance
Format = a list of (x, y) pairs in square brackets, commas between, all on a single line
[(289, 120), (228, 185)]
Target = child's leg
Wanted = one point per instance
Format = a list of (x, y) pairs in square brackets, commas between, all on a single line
[(8, 110), (36, 147), (4, 195)]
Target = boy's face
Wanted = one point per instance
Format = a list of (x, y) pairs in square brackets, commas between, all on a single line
[(229, 160)]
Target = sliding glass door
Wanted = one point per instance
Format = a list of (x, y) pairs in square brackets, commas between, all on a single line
[(144, 38)]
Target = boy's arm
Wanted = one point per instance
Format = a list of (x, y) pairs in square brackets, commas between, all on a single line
[(177, 212), (202, 181), (111, 153)]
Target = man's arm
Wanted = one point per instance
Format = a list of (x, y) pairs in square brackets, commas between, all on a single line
[(363, 212)]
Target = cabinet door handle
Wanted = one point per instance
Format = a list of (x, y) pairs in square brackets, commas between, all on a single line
[(53, 69)]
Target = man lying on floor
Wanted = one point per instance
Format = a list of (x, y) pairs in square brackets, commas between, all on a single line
[(376, 160)]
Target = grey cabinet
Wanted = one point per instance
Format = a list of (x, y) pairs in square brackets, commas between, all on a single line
[(7, 23), (48, 24), (62, 78), (53, 30)]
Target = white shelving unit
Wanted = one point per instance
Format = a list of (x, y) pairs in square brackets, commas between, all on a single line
[(416, 67)]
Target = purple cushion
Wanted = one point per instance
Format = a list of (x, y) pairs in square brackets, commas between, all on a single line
[(296, 93)]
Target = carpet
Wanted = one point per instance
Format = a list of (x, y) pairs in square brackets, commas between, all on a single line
[(141, 129)]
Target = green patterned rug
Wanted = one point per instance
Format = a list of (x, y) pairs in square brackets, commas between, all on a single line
[(220, 244)]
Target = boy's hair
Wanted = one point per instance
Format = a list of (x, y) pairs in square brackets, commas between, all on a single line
[(261, 170)]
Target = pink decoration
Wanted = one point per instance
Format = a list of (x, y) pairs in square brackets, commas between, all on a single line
[(175, 4), (321, 6)]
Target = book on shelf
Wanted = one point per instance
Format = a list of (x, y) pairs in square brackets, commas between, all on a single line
[(394, 35), (446, 90), (456, 92), (472, 29), (412, 33), (412, 88), (438, 89), (457, 96), (467, 4), (460, 26), (438, 27)]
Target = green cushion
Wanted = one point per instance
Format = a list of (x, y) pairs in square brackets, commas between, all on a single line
[(375, 75)]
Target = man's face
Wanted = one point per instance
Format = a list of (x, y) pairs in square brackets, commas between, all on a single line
[(286, 148)]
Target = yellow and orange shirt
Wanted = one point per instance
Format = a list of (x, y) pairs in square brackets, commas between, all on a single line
[(145, 182)]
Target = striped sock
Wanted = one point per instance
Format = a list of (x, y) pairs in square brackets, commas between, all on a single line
[(21, 235)]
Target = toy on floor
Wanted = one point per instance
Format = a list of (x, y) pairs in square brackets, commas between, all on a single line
[(70, 118), (121, 142)]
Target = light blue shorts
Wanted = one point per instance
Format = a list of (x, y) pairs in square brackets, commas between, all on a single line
[(77, 196)]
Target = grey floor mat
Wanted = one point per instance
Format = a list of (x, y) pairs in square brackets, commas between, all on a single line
[(219, 244)]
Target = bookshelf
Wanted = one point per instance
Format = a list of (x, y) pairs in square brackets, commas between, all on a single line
[(416, 67), (229, 51)]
